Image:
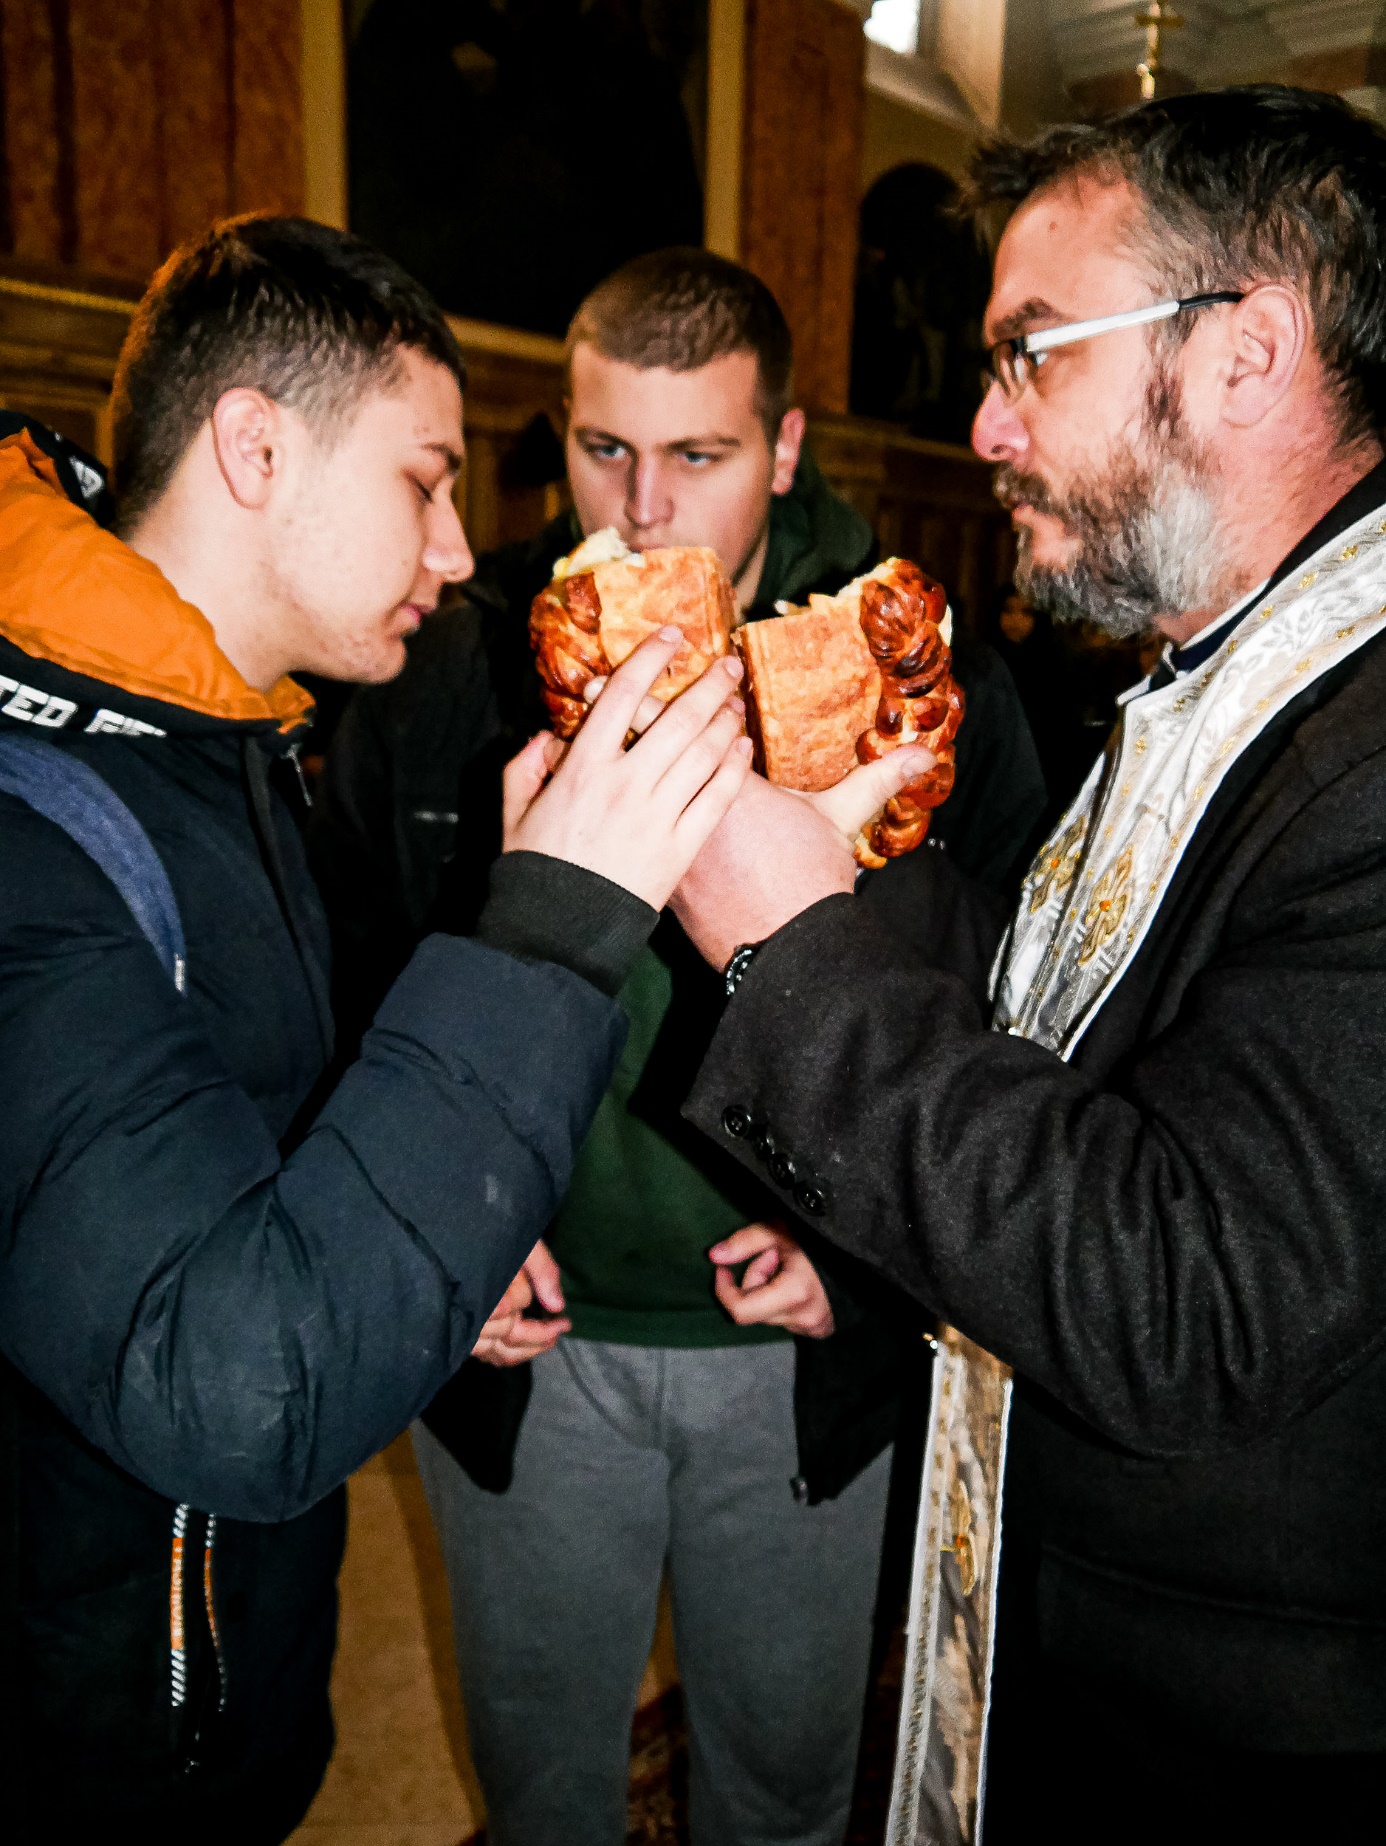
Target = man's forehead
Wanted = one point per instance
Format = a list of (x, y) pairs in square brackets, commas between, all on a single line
[(1065, 256), (658, 405), (424, 403)]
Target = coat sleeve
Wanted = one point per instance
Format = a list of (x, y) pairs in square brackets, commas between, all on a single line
[(235, 1329), (1186, 1251)]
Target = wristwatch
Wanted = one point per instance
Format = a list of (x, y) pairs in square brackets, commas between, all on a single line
[(735, 971)]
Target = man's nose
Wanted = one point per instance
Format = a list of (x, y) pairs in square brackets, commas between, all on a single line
[(998, 432), (447, 553), (648, 501)]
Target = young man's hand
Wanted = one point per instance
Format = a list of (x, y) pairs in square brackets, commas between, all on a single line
[(780, 1287), (508, 1338), (637, 816), (777, 852)]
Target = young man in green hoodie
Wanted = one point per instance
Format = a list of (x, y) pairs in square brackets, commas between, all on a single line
[(725, 1400)]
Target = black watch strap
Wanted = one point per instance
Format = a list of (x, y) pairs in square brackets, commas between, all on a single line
[(735, 971)]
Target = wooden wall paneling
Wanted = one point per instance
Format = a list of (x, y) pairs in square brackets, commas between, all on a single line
[(929, 501), (115, 139), (31, 143), (801, 166), (512, 378), (58, 350), (192, 52), (267, 108)]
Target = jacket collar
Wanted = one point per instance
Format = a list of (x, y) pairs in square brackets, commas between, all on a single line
[(817, 541), (1356, 503), (93, 624)]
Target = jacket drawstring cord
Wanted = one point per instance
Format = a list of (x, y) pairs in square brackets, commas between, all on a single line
[(177, 1639)]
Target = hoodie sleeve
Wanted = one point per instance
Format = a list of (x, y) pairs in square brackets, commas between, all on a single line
[(237, 1329)]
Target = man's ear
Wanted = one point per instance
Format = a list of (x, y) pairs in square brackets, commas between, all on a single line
[(1270, 332), (787, 446), (247, 435)]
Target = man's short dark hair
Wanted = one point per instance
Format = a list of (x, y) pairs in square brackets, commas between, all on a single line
[(309, 315), (1260, 183), (683, 308)]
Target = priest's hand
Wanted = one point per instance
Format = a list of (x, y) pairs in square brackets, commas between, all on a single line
[(508, 1338), (780, 1286), (776, 852)]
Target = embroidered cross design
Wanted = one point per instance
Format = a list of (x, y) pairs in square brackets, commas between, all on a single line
[(1057, 864), (1104, 915)]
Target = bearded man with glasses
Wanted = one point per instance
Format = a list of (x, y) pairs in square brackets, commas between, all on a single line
[(1147, 1169)]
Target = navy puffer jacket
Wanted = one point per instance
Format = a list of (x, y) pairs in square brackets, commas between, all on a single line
[(225, 1280)]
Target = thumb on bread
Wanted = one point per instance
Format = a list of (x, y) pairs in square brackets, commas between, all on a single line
[(858, 797)]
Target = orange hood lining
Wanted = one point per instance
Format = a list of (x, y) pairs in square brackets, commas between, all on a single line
[(73, 594)]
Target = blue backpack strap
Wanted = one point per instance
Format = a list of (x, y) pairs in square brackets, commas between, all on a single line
[(71, 795)]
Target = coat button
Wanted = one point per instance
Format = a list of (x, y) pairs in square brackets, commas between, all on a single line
[(811, 1198), (736, 1119), (799, 1488), (763, 1141), (782, 1169)]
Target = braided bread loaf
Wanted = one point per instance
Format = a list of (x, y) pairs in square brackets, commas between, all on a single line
[(849, 678), (902, 616), (603, 602)]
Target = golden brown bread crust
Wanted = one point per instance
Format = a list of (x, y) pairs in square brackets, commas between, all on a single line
[(850, 678), (814, 689), (920, 702), (586, 625), (564, 631)]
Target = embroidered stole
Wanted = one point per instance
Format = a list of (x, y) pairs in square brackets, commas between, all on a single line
[(1087, 905)]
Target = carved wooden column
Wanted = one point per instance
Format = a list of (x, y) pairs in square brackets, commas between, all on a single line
[(801, 165)]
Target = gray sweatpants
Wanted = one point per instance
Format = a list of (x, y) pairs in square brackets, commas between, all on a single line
[(629, 1458)]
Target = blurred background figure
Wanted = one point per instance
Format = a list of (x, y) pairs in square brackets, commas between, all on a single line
[(921, 288)]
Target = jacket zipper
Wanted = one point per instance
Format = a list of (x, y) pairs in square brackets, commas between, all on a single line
[(297, 762), (255, 767)]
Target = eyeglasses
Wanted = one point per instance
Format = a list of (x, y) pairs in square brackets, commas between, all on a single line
[(1015, 362)]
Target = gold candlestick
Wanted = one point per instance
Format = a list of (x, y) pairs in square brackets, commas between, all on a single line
[(1156, 19)]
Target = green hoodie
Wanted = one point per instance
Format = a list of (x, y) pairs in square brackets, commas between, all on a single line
[(633, 1234)]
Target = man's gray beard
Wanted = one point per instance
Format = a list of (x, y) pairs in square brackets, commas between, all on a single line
[(1147, 547)]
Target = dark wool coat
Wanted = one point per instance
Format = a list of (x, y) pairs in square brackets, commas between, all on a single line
[(220, 1285), (1178, 1239)]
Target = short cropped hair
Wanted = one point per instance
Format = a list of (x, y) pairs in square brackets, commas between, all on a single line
[(681, 309), (1259, 183), (311, 316)]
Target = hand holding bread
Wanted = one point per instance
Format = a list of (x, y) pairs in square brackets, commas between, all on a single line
[(844, 680)]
